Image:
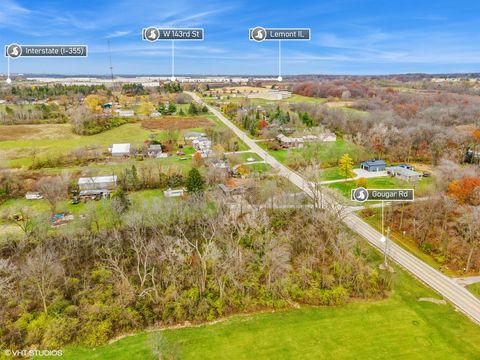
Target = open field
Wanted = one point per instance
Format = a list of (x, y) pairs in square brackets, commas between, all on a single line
[(35, 132), (328, 152), (176, 123), (399, 327)]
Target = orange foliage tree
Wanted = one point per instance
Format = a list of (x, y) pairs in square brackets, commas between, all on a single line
[(464, 190)]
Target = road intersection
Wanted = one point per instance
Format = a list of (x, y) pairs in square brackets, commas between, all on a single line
[(460, 297)]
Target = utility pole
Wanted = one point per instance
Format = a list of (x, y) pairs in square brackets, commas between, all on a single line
[(111, 66)]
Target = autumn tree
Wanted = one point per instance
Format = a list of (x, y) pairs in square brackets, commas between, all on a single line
[(464, 190), (469, 228), (346, 166)]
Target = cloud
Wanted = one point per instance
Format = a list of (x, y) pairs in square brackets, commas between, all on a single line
[(117, 34)]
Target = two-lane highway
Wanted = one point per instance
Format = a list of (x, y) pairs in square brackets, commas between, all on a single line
[(448, 288)]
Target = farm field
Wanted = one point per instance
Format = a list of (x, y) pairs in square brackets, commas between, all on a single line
[(28, 138), (397, 327)]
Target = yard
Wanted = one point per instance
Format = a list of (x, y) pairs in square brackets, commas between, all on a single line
[(399, 327), (421, 188), (328, 154)]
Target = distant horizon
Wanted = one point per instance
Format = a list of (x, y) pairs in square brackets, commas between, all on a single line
[(354, 37), (471, 74)]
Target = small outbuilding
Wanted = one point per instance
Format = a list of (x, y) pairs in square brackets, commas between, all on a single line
[(33, 195), (374, 165), (97, 182), (119, 150)]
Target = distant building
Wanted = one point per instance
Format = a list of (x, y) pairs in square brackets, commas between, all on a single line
[(287, 141), (125, 113), (236, 186), (203, 145), (97, 182), (374, 165), (328, 137), (33, 195), (193, 135), (120, 150), (174, 193), (155, 151), (268, 95), (405, 173), (86, 195)]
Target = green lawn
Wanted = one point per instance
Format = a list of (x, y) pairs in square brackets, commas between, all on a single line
[(474, 289), (327, 153), (421, 188), (400, 327), (242, 157)]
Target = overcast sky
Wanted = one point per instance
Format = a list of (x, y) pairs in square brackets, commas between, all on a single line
[(348, 37)]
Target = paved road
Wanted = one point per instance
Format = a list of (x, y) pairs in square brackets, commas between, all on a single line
[(448, 288), (469, 280)]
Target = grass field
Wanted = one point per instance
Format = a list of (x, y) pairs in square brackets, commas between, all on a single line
[(421, 188), (474, 289), (399, 327), (329, 152)]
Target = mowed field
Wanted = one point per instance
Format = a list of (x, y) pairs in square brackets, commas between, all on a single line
[(399, 327)]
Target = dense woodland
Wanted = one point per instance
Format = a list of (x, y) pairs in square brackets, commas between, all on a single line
[(170, 262)]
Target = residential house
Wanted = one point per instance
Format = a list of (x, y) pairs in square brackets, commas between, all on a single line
[(405, 173), (118, 150), (155, 151), (374, 165), (236, 186), (193, 135), (203, 145), (287, 141)]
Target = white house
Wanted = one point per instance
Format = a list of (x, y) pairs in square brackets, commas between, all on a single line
[(120, 150), (97, 182)]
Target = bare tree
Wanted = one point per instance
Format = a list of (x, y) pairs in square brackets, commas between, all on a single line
[(53, 189), (7, 276), (42, 271), (469, 226)]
